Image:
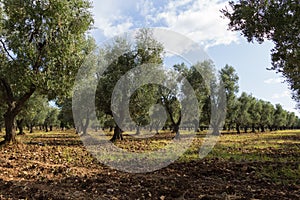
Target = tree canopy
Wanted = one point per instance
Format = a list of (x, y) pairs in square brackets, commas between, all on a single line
[(122, 56), (42, 44), (273, 20)]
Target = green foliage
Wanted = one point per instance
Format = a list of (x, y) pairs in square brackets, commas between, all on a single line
[(243, 115), (35, 111), (291, 120), (141, 102), (169, 99), (254, 111), (266, 114), (51, 117), (279, 117), (203, 88), (83, 90), (117, 68), (42, 45), (120, 57), (277, 21), (44, 42), (230, 80), (65, 115)]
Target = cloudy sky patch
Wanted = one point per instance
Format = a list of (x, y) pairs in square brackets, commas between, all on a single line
[(198, 19), (201, 21)]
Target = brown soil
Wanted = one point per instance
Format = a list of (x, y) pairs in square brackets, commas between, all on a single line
[(63, 169)]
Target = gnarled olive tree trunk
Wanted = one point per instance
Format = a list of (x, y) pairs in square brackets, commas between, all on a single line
[(14, 106), (117, 134), (10, 131)]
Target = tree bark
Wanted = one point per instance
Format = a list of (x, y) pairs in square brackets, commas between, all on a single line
[(14, 108), (224, 128), (253, 128), (201, 128), (138, 131), (157, 131), (262, 129), (196, 127), (238, 128), (176, 130), (84, 130), (175, 125), (31, 128), (77, 129), (216, 131), (87, 123), (85, 126), (229, 127), (10, 136), (117, 134), (270, 128), (20, 126)]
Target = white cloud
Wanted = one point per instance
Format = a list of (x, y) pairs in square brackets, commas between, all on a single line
[(109, 17), (293, 109), (146, 9), (281, 95), (198, 19), (274, 80)]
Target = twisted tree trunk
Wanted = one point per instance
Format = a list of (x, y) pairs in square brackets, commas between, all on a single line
[(20, 126), (14, 107), (10, 131), (117, 134)]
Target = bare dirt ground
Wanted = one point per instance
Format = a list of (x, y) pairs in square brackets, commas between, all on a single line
[(57, 166)]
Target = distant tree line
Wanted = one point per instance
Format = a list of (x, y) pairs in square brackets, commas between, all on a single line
[(277, 21), (44, 43), (42, 46), (243, 113), (249, 113)]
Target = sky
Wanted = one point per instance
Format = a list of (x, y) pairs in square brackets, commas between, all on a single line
[(201, 21)]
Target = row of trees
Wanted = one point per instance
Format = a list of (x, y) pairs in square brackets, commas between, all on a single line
[(44, 43), (248, 112), (42, 46), (38, 114), (242, 112), (277, 21)]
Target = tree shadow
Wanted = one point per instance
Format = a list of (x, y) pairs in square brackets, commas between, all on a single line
[(55, 141)]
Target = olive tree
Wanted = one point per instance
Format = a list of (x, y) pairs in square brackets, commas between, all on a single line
[(230, 81), (121, 56), (266, 115), (242, 107), (33, 114), (277, 21), (42, 44), (280, 117)]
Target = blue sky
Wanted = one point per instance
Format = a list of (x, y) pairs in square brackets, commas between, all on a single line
[(201, 21)]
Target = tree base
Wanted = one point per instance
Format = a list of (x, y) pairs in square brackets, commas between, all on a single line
[(6, 143)]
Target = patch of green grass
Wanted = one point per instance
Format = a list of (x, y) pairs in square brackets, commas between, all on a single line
[(280, 174), (277, 153), (281, 149), (277, 146)]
